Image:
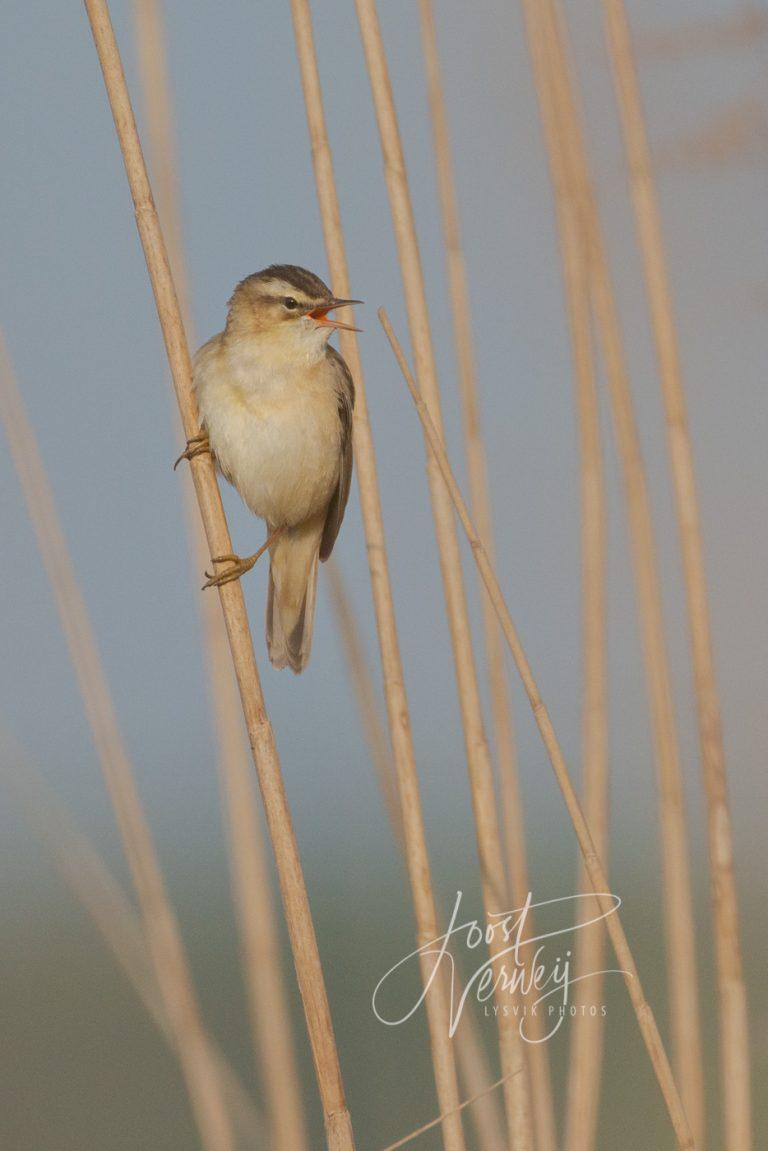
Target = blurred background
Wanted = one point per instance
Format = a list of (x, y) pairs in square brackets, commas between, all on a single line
[(82, 1065)]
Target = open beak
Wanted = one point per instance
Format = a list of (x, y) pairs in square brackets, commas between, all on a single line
[(320, 315)]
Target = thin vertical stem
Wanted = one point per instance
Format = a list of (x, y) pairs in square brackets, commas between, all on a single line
[(478, 756), (734, 1030), (546, 35), (296, 904), (595, 870), (155, 88), (586, 1055), (160, 924), (259, 936), (470, 1055), (486, 1115), (363, 687), (101, 897), (411, 821), (477, 471), (585, 1069)]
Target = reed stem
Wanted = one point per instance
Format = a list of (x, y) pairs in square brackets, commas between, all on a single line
[(338, 1125), (259, 936), (587, 1033), (734, 1028), (586, 1051), (361, 682), (159, 920), (411, 817), (101, 897), (517, 1097), (594, 867), (480, 498), (546, 31), (471, 1057), (406, 1139)]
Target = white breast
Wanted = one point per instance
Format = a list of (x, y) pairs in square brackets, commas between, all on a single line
[(273, 426)]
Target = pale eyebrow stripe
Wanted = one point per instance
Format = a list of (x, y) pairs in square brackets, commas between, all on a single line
[(289, 295)]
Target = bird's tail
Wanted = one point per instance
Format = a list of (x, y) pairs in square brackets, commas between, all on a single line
[(292, 595)]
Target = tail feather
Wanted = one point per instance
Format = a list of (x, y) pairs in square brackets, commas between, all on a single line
[(276, 646), (292, 596)]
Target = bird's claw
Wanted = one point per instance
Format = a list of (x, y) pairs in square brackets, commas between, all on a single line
[(196, 446), (238, 567)]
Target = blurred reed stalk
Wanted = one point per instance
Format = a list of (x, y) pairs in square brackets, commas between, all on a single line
[(159, 920), (586, 1049), (740, 133), (486, 1115), (259, 935), (101, 897), (338, 1124), (406, 1139), (546, 33), (361, 682), (594, 867), (411, 817), (724, 33), (477, 471), (494, 886), (470, 1053), (734, 1028)]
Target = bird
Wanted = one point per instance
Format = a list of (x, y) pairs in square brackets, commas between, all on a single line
[(276, 404)]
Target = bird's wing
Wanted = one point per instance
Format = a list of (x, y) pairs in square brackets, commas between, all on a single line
[(345, 392)]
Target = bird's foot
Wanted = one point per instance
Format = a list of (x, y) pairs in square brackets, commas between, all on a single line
[(195, 447), (237, 566)]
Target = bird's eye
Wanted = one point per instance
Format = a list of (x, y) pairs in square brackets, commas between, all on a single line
[(290, 303)]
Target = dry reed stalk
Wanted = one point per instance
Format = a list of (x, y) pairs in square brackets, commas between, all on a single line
[(734, 1029), (477, 471), (470, 1054), (363, 687), (474, 1068), (155, 87), (552, 72), (586, 1050), (160, 924), (477, 752), (259, 936), (100, 895), (594, 867), (411, 821), (338, 1125), (441, 1118)]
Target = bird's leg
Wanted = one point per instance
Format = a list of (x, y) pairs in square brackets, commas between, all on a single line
[(195, 447), (238, 567)]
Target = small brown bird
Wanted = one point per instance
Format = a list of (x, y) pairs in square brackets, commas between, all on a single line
[(276, 405)]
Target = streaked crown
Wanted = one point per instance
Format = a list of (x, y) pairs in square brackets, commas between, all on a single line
[(279, 284)]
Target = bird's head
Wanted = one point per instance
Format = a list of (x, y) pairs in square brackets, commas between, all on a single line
[(287, 305)]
